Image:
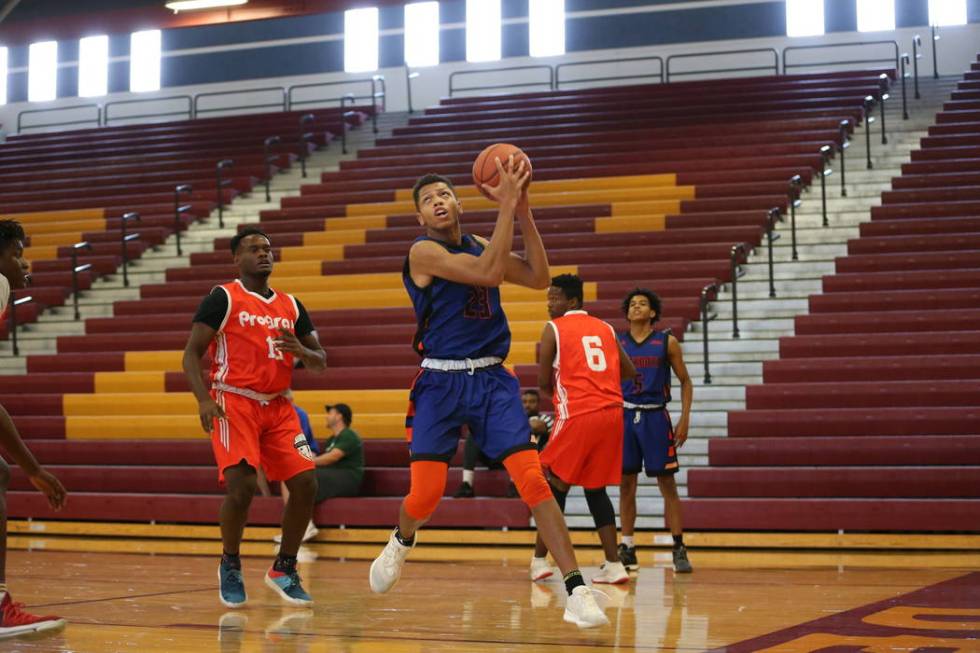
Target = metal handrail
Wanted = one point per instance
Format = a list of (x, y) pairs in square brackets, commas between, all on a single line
[(13, 322), (304, 138), (291, 103), (343, 119), (825, 170), (935, 58), (844, 130), (75, 269), (179, 211), (659, 75), (189, 112), (775, 215), (282, 104), (827, 46), (125, 240), (868, 107), (883, 96), (793, 194), (705, 318), (98, 117), (269, 158), (734, 259), (409, 76), (905, 75), (219, 188), (460, 73), (916, 55), (774, 67)]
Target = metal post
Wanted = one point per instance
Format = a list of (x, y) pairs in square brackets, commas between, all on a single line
[(343, 120), (13, 322), (795, 186), (824, 171), (916, 55), (734, 260), (841, 148), (905, 102), (869, 103), (180, 210), (935, 60), (125, 241), (883, 96), (379, 79), (219, 189), (269, 142), (774, 216), (409, 76), (75, 269), (304, 138), (704, 328)]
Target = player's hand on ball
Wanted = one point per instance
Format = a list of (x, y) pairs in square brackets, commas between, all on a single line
[(680, 433), (287, 342), (50, 487), (513, 179), (210, 411)]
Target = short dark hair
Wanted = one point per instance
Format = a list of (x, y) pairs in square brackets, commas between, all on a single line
[(425, 180), (10, 233), (531, 391), (651, 296), (346, 413), (237, 239), (570, 285)]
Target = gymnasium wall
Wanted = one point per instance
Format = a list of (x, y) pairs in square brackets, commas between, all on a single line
[(307, 49)]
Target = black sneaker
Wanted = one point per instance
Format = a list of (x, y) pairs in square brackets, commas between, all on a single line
[(512, 491), (681, 564), (465, 491), (627, 555)]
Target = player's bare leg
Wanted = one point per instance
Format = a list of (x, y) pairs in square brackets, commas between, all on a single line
[(627, 521), (241, 484), (283, 578), (672, 513)]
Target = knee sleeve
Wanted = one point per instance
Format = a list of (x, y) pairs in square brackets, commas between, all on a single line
[(428, 484), (601, 507), (524, 468)]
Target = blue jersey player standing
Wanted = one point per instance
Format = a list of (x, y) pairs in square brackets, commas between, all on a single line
[(650, 440), (453, 279)]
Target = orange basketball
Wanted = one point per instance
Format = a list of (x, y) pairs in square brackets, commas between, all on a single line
[(485, 169)]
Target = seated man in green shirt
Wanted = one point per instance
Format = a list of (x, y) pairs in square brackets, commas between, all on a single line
[(340, 468)]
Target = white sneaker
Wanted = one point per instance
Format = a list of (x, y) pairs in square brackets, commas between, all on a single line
[(612, 573), (387, 567), (582, 609), (540, 569), (311, 532)]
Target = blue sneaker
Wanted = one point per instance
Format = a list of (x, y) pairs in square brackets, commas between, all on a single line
[(231, 588), (288, 587)]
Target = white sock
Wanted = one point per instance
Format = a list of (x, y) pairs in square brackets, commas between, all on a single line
[(544, 558), (468, 476), (628, 541)]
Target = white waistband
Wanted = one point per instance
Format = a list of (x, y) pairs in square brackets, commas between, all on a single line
[(631, 406), (245, 392), (469, 365)]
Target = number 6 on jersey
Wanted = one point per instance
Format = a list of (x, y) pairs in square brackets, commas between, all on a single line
[(594, 356)]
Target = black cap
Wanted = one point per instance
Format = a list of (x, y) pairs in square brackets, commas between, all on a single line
[(344, 411)]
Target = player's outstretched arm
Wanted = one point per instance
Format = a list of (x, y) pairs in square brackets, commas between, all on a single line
[(18, 451), (676, 358), (547, 350), (197, 345), (530, 270)]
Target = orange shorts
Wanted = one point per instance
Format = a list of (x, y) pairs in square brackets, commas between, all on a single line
[(263, 434), (587, 449)]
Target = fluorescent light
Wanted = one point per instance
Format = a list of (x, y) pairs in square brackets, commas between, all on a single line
[(804, 17), (944, 13), (194, 5), (547, 22), (422, 34), (361, 40), (144, 61), (42, 72), (93, 66), (876, 15), (3, 75), (482, 30)]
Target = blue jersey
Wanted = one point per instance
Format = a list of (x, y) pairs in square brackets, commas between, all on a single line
[(650, 359), (456, 321)]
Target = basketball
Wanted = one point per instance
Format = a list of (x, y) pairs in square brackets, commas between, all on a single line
[(484, 168)]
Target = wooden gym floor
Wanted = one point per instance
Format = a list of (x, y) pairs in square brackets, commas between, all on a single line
[(735, 601)]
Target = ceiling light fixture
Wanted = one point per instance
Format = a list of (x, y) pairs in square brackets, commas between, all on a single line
[(193, 5)]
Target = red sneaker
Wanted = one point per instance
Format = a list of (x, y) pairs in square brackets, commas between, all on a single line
[(14, 621)]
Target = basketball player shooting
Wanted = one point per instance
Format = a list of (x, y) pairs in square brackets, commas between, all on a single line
[(453, 280)]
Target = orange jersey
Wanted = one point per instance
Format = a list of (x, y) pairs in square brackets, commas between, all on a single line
[(243, 352), (587, 376)]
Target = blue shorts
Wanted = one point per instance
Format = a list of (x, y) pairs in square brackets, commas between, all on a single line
[(487, 401), (648, 443)]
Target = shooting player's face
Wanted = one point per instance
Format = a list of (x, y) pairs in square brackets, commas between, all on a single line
[(254, 256), (438, 207)]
